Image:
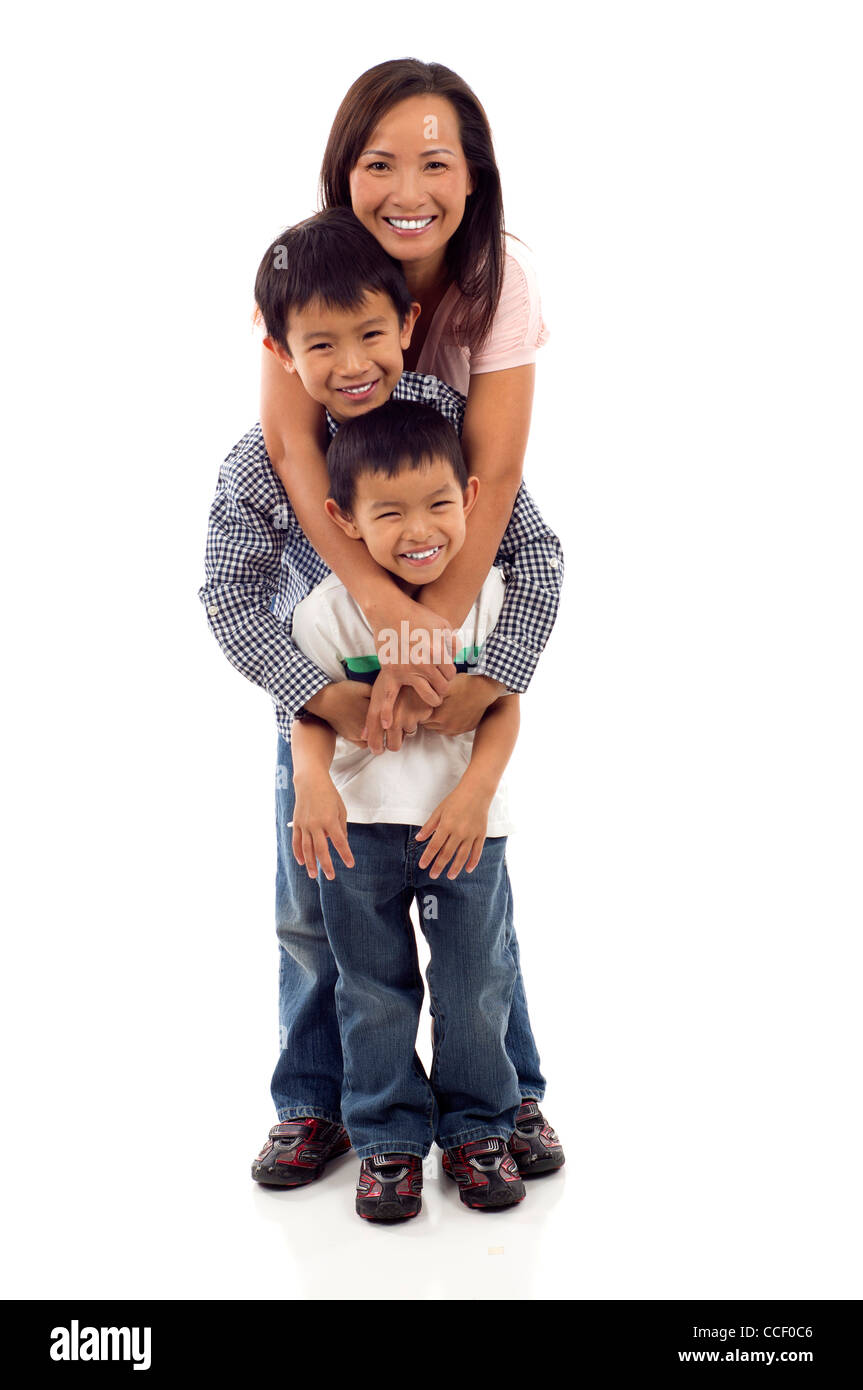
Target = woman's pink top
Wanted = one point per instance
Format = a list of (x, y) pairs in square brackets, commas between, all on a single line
[(518, 328)]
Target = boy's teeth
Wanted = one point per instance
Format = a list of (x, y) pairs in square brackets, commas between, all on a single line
[(357, 390), (421, 554), (408, 224)]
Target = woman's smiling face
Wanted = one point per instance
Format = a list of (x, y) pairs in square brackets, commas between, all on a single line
[(410, 183)]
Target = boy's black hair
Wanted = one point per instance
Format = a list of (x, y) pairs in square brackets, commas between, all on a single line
[(331, 257), (399, 434)]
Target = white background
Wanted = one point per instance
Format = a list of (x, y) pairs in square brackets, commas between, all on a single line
[(688, 779)]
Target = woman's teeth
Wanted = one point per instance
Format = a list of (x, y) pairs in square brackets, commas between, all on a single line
[(412, 224)]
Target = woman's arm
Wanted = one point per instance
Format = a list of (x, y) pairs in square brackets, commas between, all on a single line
[(494, 440)]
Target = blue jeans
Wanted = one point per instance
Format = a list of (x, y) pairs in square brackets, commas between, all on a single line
[(308, 1076), (388, 1104)]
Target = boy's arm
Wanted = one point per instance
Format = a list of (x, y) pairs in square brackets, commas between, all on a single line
[(531, 558), (249, 526), (457, 826), (319, 813), (493, 743)]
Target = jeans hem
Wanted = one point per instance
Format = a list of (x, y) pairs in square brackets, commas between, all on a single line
[(467, 1136), (528, 1094), (391, 1146), (307, 1112)]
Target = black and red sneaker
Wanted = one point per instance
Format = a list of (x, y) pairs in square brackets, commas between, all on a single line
[(534, 1145), (487, 1174), (298, 1151), (390, 1187)]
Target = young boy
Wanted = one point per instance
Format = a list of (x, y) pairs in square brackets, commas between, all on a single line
[(330, 273), (400, 486)]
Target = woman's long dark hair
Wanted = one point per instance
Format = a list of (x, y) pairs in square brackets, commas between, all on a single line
[(475, 252)]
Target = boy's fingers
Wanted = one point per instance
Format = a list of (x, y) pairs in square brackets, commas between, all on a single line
[(297, 845), (475, 855), (431, 849), (322, 852), (309, 859), (373, 734), (436, 845), (385, 710), (395, 736), (460, 860), (431, 688), (444, 857), (375, 728), (340, 843), (447, 668), (383, 697)]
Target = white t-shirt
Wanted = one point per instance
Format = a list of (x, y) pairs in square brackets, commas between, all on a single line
[(404, 786)]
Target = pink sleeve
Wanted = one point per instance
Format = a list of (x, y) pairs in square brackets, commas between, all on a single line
[(518, 328)]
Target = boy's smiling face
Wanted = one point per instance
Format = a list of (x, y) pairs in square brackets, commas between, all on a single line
[(348, 359), (413, 523)]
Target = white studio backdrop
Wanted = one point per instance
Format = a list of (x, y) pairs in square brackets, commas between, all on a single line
[(687, 781)]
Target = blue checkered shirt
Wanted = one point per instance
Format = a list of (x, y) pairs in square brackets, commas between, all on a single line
[(259, 564)]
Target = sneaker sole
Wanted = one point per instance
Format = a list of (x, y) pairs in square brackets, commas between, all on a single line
[(386, 1212), (495, 1201), (268, 1177), (542, 1165)]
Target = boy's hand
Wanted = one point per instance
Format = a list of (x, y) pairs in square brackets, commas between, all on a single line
[(464, 704), (396, 704), (457, 828), (380, 711), (344, 705), (418, 632), (319, 816), (409, 712)]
